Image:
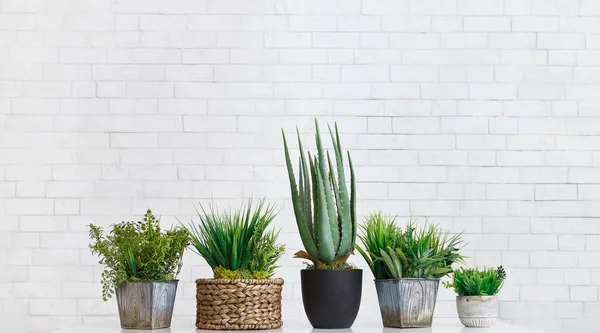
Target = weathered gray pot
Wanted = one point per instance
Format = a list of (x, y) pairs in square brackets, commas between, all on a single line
[(477, 311), (407, 303), (146, 305)]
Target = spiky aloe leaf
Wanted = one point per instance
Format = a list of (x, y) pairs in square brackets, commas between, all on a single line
[(315, 196), (347, 222), (326, 245), (301, 220), (304, 169), (332, 218), (352, 198)]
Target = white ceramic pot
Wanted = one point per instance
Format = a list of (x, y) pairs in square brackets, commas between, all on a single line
[(477, 311)]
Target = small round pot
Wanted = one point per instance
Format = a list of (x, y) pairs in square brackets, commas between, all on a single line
[(331, 297), (477, 311)]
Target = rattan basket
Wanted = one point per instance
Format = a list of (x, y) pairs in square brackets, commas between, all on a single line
[(238, 304)]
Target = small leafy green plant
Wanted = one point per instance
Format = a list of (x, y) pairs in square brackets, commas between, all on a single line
[(475, 282), (393, 253), (237, 245), (325, 211), (137, 251)]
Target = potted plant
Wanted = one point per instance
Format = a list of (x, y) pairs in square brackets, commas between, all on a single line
[(141, 264), (243, 255), (326, 219), (407, 265), (477, 290)]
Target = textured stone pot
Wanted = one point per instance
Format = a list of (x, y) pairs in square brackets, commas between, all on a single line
[(331, 297), (146, 305), (477, 311), (407, 303)]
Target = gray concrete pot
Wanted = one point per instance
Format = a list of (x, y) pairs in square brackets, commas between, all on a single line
[(146, 305), (477, 311), (407, 303)]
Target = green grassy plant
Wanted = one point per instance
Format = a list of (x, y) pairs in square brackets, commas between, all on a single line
[(237, 245), (137, 251), (475, 282), (415, 252)]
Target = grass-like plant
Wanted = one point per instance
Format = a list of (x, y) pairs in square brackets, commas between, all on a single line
[(325, 211), (237, 245), (415, 252), (475, 282), (137, 251)]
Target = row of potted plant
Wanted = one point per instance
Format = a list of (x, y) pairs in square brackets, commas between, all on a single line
[(142, 262)]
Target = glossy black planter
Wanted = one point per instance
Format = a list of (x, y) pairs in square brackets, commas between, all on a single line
[(331, 297)]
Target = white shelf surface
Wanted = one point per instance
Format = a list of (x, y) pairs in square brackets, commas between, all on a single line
[(187, 326)]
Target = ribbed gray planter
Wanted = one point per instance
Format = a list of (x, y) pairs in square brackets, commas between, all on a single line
[(146, 305), (407, 303), (477, 311)]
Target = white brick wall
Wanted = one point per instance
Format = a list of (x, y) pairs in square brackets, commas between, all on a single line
[(481, 115)]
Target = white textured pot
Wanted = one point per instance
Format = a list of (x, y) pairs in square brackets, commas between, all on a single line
[(477, 311)]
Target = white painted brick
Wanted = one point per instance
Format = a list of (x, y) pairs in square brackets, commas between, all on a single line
[(414, 40), (486, 23), (335, 40), (433, 7), (208, 56), (571, 242), (365, 73), (359, 23), (584, 293), (374, 40), (555, 192), (308, 56), (444, 90), (442, 158), (464, 41), (414, 73), (377, 56), (395, 91), (312, 23)]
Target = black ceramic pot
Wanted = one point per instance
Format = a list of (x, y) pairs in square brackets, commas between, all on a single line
[(331, 297)]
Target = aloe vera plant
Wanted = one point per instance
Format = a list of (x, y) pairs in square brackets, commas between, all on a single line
[(325, 211)]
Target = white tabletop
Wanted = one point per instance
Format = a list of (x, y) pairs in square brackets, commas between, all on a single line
[(186, 326)]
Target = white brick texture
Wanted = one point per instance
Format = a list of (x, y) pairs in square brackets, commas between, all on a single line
[(481, 115)]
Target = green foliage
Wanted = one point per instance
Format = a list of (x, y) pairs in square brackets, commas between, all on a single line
[(238, 245), (325, 211), (339, 265), (475, 282), (244, 274), (393, 253), (137, 251)]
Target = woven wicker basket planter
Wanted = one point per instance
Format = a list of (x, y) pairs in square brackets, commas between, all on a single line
[(238, 304)]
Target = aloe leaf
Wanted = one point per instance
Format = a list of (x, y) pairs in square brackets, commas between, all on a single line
[(332, 218), (326, 245), (352, 198), (306, 186), (344, 206), (315, 196), (301, 220), (332, 180)]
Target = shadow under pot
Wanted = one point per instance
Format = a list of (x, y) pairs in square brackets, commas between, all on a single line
[(407, 303), (331, 297), (146, 305), (477, 311)]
